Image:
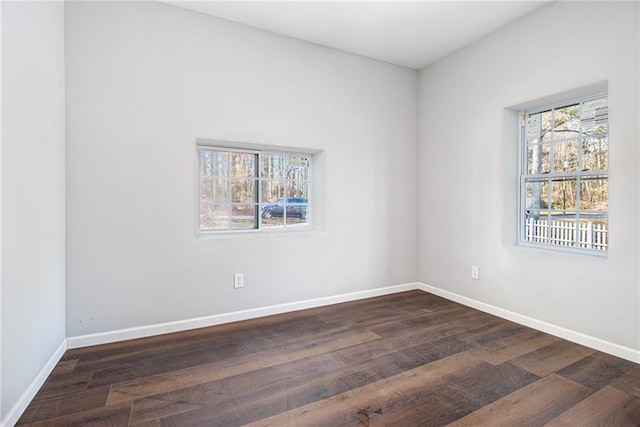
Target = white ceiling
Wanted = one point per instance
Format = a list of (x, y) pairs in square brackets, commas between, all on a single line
[(410, 34)]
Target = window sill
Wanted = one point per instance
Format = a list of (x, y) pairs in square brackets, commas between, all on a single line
[(251, 234), (551, 249)]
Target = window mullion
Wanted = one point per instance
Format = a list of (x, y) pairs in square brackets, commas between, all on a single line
[(578, 193), (257, 192), (230, 187)]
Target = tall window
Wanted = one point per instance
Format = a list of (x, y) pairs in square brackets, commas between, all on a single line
[(252, 190), (564, 182)]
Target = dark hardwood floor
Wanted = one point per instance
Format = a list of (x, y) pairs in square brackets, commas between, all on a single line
[(408, 359)]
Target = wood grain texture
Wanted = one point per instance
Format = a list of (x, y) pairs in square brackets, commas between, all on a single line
[(188, 377), (533, 405), (552, 358), (354, 406), (629, 382), (597, 370), (406, 359), (607, 407)]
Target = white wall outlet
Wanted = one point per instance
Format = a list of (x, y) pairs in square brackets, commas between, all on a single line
[(238, 280), (475, 272)]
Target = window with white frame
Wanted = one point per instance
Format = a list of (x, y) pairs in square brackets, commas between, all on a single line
[(242, 190), (564, 179)]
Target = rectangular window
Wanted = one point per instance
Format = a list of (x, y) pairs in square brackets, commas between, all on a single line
[(252, 189), (564, 180)]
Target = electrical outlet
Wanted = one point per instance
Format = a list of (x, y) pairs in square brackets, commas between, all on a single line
[(475, 272), (238, 280)]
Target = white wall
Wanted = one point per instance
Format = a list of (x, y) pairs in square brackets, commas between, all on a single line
[(33, 193), (467, 172), (144, 81)]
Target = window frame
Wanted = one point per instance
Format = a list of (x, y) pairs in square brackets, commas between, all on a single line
[(258, 151), (524, 174)]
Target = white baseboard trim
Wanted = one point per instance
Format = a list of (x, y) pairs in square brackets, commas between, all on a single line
[(218, 319), (558, 331), (18, 409)]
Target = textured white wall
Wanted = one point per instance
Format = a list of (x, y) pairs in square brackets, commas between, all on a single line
[(467, 172), (33, 192), (144, 81)]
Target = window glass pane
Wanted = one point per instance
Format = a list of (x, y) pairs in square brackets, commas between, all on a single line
[(243, 217), (565, 156), (545, 214), (538, 158), (562, 230), (298, 189), (220, 163), (273, 214), (206, 163), (545, 162), (595, 153), (536, 196), (537, 228), (214, 217), (534, 128), (297, 222), (206, 190), (214, 163), (545, 126), (275, 222), (243, 190), (534, 156), (594, 234), (221, 190), (594, 116), (298, 168), (243, 164), (594, 195), (561, 215), (564, 194), (272, 166), (296, 212), (214, 190), (272, 190), (566, 122)]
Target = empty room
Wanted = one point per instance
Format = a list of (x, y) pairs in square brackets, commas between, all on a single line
[(320, 213)]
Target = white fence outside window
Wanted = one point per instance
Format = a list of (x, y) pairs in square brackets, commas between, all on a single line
[(590, 235)]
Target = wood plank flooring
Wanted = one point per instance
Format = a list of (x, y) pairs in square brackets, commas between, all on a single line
[(408, 359)]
